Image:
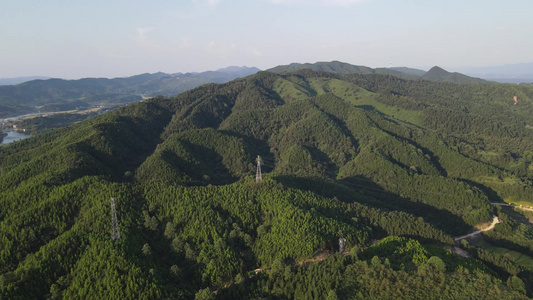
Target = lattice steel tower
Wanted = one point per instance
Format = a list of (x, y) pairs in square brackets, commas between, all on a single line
[(258, 177), (342, 243), (115, 232)]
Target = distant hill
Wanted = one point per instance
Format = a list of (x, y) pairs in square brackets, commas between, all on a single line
[(435, 74), (439, 74), (411, 71), (334, 67), (241, 71), (60, 94), (18, 80), (344, 68)]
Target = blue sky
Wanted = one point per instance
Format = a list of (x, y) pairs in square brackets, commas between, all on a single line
[(111, 38)]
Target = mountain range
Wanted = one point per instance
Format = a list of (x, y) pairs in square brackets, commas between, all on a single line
[(163, 198), (63, 95), (60, 95), (436, 73)]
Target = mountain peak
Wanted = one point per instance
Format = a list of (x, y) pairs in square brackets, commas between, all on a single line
[(438, 69), (439, 74)]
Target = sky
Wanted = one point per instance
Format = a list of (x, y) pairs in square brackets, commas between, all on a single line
[(116, 38)]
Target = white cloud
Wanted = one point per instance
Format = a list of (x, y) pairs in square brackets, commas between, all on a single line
[(142, 34), (146, 43), (154, 44), (221, 49), (342, 2), (185, 41), (255, 52), (212, 4), (287, 2), (319, 2)]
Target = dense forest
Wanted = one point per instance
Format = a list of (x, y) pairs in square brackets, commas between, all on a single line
[(394, 167)]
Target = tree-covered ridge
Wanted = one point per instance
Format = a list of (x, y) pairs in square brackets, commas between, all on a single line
[(395, 268), (63, 95), (354, 156), (435, 74)]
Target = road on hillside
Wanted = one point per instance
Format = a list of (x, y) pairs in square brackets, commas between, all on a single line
[(512, 205), (495, 221)]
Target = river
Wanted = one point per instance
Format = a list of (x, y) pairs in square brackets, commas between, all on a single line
[(14, 136)]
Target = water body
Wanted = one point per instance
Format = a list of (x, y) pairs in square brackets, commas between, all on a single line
[(14, 136)]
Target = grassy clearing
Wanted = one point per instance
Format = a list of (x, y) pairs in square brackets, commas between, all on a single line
[(296, 89), (519, 258), (293, 88), (360, 97)]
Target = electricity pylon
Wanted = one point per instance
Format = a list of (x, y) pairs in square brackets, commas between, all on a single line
[(115, 232), (258, 177), (342, 243)]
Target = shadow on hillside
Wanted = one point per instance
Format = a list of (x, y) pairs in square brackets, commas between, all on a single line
[(342, 126), (440, 218), (369, 108), (433, 158), (363, 190), (322, 159), (508, 245), (256, 147), (206, 165), (491, 194), (197, 166)]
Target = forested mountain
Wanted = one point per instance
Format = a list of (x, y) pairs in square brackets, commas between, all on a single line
[(345, 68), (59, 94), (18, 80), (406, 70), (439, 74), (434, 74), (363, 157)]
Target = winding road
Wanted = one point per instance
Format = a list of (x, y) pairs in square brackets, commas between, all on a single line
[(512, 205), (495, 221)]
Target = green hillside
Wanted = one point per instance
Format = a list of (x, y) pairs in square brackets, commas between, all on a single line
[(345, 68), (436, 74), (396, 167), (407, 70)]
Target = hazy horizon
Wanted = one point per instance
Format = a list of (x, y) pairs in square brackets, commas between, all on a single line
[(118, 39)]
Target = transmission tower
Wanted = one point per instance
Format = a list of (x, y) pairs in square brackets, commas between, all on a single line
[(115, 232), (342, 243), (258, 177)]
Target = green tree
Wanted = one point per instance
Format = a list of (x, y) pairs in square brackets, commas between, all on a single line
[(169, 230), (516, 284), (147, 250), (204, 294), (332, 295)]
